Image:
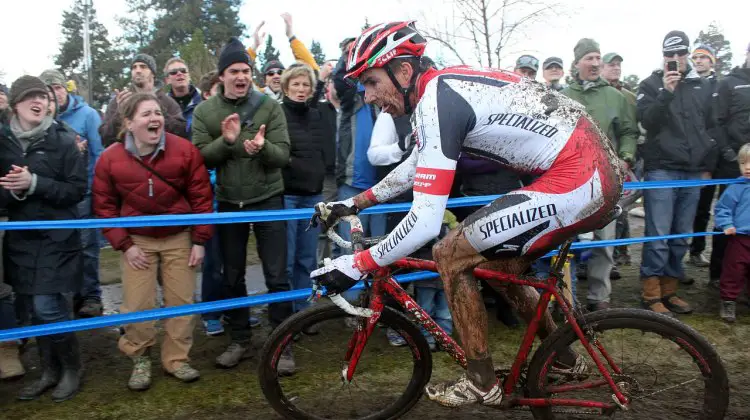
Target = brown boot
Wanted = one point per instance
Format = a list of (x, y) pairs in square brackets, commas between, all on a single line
[(669, 296), (651, 296), (10, 363)]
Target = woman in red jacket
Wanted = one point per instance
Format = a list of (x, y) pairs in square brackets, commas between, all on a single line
[(150, 172)]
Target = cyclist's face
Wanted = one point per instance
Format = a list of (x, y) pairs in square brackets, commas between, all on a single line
[(379, 90)]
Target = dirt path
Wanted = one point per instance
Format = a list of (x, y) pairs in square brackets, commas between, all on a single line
[(222, 394)]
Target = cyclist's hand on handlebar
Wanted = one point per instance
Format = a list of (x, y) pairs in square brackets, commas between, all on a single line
[(338, 276), (327, 214)]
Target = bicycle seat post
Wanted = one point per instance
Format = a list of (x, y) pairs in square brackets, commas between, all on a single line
[(562, 257)]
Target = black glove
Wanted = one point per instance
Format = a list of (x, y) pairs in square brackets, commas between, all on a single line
[(328, 214), (338, 276)]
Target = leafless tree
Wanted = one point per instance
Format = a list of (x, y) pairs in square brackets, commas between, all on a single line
[(487, 26)]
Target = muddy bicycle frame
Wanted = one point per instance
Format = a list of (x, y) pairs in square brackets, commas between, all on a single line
[(384, 284)]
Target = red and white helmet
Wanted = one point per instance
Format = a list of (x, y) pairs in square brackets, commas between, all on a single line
[(382, 43)]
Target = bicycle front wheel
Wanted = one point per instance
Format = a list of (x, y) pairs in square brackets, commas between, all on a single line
[(388, 380), (668, 370)]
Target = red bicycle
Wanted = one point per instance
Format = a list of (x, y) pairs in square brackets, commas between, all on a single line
[(639, 364)]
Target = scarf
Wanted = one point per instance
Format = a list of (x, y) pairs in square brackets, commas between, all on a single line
[(25, 138)]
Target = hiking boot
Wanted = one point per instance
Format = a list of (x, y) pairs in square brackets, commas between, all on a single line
[(232, 356), (10, 362), (90, 309), (727, 311), (140, 379), (698, 260), (651, 296), (213, 327), (50, 374), (69, 355), (394, 338), (286, 365), (463, 391), (669, 296), (614, 274), (186, 373)]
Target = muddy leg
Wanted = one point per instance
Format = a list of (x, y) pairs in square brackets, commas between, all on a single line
[(456, 259)]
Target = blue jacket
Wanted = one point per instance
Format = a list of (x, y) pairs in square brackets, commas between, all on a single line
[(733, 208), (187, 112), (85, 121)]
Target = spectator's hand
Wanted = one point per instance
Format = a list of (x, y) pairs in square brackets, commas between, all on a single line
[(328, 214), (136, 258), (258, 37), (230, 128), (288, 23), (82, 144), (122, 96), (255, 145), (731, 231), (17, 180), (338, 276), (326, 70), (196, 255), (671, 78)]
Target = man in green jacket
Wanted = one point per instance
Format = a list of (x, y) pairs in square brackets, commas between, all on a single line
[(243, 134), (616, 118)]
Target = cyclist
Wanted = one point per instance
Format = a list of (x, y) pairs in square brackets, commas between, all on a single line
[(485, 113)]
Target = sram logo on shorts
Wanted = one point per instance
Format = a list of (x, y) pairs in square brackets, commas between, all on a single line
[(433, 181)]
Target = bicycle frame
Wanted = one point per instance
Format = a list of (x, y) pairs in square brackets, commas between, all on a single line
[(385, 284)]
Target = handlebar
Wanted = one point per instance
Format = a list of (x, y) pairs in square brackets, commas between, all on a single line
[(358, 242)]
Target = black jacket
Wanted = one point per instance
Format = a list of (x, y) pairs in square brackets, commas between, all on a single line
[(679, 126), (44, 261), (733, 115), (308, 133)]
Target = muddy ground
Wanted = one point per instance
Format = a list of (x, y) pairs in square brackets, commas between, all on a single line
[(235, 394)]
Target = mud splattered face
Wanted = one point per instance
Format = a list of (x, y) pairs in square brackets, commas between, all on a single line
[(380, 90)]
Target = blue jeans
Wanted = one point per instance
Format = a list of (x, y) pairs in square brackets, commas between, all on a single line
[(433, 301), (301, 246), (90, 287), (668, 211), (47, 309), (211, 280), (372, 224)]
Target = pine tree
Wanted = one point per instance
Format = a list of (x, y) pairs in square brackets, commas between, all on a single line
[(270, 53), (317, 52), (367, 24), (137, 27), (106, 60), (197, 56), (714, 38)]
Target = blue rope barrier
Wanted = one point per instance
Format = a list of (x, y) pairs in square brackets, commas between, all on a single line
[(292, 214)]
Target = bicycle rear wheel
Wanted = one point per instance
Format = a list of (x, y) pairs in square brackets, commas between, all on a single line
[(388, 380), (668, 369)]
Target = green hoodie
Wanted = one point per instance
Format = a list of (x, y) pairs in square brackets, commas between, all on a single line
[(242, 179), (611, 110)]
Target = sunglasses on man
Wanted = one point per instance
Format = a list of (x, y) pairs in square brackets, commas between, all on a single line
[(174, 72), (671, 54), (274, 72)]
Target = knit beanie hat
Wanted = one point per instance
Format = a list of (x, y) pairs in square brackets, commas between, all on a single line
[(675, 42), (271, 65), (585, 46), (707, 51), (4, 89), (25, 86), (53, 77), (147, 60), (233, 52)]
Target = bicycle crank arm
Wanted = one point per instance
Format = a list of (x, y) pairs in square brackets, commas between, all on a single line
[(348, 308)]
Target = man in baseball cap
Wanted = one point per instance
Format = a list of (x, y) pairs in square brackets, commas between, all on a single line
[(552, 73), (527, 65)]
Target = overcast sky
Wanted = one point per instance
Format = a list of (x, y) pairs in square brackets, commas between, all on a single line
[(30, 30)]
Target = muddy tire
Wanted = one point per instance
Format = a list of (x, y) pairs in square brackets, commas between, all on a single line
[(712, 398), (294, 325)]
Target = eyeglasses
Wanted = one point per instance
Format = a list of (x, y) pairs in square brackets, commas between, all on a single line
[(274, 72), (671, 54), (174, 72)]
